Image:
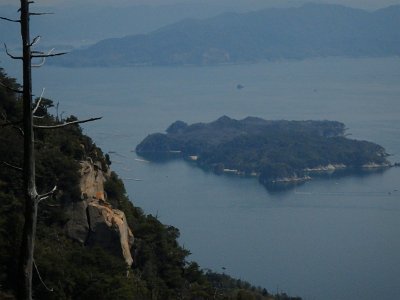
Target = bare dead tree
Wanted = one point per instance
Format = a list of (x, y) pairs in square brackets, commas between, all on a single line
[(31, 196)]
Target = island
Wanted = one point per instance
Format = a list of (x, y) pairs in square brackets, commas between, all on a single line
[(276, 152)]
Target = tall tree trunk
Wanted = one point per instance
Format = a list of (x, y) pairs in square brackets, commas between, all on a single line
[(30, 193)]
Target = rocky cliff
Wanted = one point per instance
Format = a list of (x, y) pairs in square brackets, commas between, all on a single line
[(92, 220)]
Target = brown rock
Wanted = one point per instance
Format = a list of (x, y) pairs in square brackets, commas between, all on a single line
[(109, 229), (93, 221)]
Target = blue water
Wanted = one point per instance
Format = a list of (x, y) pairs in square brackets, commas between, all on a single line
[(334, 238)]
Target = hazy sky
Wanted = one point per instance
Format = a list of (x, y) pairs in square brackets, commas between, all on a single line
[(368, 4)]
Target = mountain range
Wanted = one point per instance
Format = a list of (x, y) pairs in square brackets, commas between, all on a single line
[(312, 30), (92, 23)]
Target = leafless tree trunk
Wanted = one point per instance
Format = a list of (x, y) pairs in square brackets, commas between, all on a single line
[(31, 196), (29, 184)]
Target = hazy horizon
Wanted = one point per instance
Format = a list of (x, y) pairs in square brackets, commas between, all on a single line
[(364, 4)]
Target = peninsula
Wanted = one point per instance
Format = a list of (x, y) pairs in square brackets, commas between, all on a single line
[(273, 151)]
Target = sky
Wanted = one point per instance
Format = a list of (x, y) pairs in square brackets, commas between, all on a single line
[(366, 4)]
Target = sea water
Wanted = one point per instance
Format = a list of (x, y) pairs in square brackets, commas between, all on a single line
[(331, 238)]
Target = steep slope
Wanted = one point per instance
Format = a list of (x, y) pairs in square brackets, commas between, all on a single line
[(84, 239)]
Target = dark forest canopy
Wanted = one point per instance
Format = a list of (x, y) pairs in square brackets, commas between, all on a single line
[(274, 151), (161, 269)]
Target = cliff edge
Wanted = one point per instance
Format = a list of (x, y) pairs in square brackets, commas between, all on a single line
[(92, 220)]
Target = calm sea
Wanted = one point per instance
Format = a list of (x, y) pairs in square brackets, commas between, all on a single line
[(333, 238)]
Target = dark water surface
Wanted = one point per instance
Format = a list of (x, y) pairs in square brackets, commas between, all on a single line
[(335, 238)]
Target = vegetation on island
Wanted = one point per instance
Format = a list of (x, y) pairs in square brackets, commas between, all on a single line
[(66, 269), (273, 151)]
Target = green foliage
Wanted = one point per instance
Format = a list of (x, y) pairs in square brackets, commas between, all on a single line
[(273, 149), (72, 271)]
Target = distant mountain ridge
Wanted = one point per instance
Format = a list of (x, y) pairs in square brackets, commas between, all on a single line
[(312, 30)]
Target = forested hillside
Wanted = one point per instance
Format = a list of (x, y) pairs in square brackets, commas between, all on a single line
[(68, 268), (274, 151), (313, 30)]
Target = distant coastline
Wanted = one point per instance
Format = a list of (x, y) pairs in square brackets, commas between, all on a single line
[(295, 33)]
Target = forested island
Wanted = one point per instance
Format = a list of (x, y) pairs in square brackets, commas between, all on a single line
[(273, 151), (91, 241)]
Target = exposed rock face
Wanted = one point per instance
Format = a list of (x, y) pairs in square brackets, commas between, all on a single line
[(78, 226), (92, 180), (373, 165), (328, 168), (92, 219), (109, 229)]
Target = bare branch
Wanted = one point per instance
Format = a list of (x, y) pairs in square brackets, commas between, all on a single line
[(38, 103), (48, 55), (11, 124), (10, 55), (51, 205), (11, 166), (35, 41), (40, 14), (10, 88), (47, 195), (40, 278), (10, 20), (19, 129), (39, 64), (65, 124), (43, 58)]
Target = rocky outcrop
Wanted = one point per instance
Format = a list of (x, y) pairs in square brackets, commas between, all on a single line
[(77, 226), (292, 179), (328, 168), (92, 179), (92, 220), (373, 165)]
